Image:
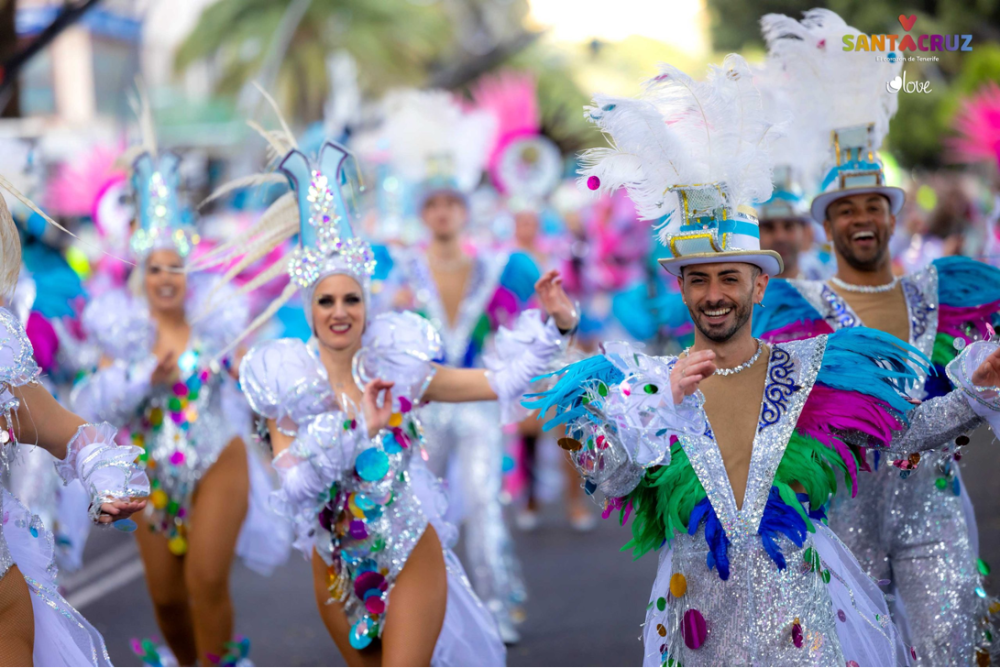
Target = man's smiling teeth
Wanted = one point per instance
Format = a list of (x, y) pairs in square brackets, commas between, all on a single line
[(166, 291), (340, 329), (721, 311), (863, 235)]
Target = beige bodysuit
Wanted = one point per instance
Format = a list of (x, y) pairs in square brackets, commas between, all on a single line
[(884, 311), (732, 404)]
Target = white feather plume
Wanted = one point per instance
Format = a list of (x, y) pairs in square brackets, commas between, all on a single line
[(831, 87), (799, 144), (428, 130), (684, 132)]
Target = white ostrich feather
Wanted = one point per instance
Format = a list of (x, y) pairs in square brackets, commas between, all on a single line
[(428, 134), (830, 87), (799, 144), (684, 132)]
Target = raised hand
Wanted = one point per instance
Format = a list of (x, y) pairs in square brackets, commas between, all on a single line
[(689, 371), (377, 415), (166, 369), (987, 374), (555, 301)]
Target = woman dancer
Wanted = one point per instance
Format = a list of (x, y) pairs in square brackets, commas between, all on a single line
[(366, 510), (156, 378), (38, 626)]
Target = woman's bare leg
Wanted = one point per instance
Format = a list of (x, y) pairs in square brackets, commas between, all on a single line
[(165, 582), (217, 513), (336, 622), (17, 621), (417, 605), (414, 617)]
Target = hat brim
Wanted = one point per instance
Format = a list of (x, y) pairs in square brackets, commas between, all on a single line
[(428, 192), (768, 261), (896, 197)]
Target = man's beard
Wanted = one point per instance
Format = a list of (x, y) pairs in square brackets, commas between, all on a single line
[(843, 247), (742, 313)]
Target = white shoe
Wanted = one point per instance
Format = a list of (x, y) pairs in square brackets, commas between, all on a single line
[(508, 633), (527, 520), (583, 522)]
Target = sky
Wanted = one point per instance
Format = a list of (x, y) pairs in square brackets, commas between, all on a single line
[(682, 24)]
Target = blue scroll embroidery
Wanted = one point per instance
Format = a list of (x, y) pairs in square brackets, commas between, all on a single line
[(840, 310), (779, 387), (920, 310)]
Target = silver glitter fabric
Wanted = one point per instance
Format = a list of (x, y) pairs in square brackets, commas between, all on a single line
[(913, 533), (811, 610), (17, 367), (183, 427), (368, 517), (467, 437)]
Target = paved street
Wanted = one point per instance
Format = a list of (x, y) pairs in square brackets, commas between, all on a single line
[(588, 598)]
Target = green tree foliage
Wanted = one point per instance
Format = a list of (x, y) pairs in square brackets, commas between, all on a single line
[(392, 41)]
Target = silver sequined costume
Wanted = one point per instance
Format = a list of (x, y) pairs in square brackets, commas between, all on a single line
[(61, 635), (771, 594), (466, 445), (185, 426), (916, 532), (362, 503)]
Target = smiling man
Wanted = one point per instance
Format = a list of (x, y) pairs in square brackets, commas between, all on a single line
[(913, 528), (725, 456)]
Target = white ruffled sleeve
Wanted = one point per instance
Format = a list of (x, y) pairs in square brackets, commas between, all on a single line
[(108, 471), (17, 362), (220, 314), (520, 355), (120, 325), (114, 393), (401, 348), (319, 456), (984, 401), (620, 416), (283, 382)]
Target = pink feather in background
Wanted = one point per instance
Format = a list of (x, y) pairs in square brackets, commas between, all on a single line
[(978, 128), (511, 98)]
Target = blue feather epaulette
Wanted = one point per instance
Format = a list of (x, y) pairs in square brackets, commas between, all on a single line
[(964, 282), (865, 360), (570, 390)]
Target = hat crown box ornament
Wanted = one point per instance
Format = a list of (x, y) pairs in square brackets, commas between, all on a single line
[(155, 182), (327, 240), (787, 200), (694, 154)]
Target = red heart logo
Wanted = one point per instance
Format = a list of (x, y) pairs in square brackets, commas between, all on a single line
[(907, 21)]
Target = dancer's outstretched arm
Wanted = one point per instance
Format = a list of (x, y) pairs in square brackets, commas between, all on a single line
[(520, 354), (41, 420)]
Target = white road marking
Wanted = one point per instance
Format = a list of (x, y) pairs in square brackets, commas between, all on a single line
[(94, 568), (121, 576)]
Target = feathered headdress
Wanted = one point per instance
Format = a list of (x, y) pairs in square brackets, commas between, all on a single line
[(848, 98), (695, 152), (978, 128), (319, 209), (155, 183), (432, 141), (524, 164), (798, 150)]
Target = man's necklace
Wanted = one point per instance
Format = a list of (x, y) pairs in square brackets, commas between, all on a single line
[(736, 369), (868, 289)]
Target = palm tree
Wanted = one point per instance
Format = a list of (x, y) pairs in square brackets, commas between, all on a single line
[(394, 42)]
